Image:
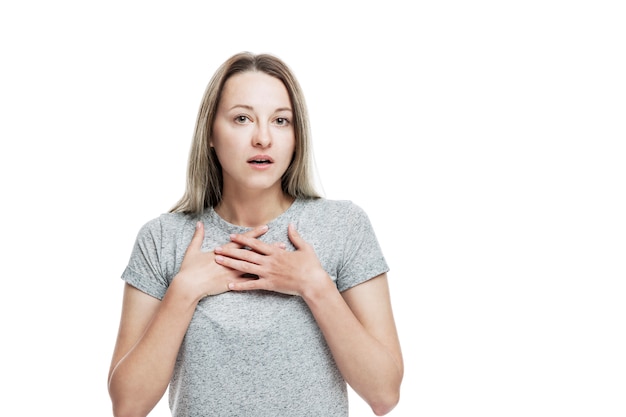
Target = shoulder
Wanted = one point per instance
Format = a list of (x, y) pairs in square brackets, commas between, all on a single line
[(333, 214), (165, 224), (332, 207)]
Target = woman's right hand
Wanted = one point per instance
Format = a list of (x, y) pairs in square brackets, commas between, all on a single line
[(199, 275)]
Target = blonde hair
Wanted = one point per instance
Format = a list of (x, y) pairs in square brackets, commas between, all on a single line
[(204, 172)]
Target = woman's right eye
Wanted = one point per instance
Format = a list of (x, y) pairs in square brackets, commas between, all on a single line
[(241, 119)]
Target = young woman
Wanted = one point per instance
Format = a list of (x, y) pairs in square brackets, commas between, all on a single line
[(254, 296)]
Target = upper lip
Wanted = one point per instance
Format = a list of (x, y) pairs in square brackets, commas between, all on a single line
[(261, 158)]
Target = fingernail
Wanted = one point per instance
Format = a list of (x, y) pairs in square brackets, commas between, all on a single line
[(231, 285), (219, 258), (198, 225), (218, 249)]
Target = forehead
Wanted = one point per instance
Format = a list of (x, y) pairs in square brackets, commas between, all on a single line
[(254, 88)]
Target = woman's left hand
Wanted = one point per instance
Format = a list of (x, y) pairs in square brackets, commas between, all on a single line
[(287, 272)]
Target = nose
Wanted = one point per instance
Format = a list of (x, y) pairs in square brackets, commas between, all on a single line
[(262, 137)]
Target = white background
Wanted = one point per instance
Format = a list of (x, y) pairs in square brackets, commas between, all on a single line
[(484, 139)]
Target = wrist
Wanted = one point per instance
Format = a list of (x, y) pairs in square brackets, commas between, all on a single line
[(183, 294), (319, 289)]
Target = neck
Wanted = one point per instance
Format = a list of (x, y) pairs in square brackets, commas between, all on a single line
[(253, 209)]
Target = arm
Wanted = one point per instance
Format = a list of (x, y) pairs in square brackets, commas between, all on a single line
[(360, 330), (151, 331), (148, 340), (358, 325)]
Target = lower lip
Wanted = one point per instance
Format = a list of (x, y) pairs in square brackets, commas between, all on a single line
[(260, 167)]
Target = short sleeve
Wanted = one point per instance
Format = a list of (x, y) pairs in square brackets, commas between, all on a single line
[(145, 270), (363, 258)]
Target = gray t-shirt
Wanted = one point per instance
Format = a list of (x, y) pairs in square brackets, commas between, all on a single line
[(258, 353)]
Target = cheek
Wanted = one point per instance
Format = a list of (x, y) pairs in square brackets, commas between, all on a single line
[(290, 142), (225, 155), (222, 150), (221, 134), (224, 142)]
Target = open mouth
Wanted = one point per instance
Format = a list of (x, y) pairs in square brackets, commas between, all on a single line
[(260, 161)]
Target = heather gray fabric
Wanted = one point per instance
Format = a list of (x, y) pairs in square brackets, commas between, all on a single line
[(258, 353)]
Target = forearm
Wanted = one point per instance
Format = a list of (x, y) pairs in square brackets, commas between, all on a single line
[(365, 362), (141, 377)]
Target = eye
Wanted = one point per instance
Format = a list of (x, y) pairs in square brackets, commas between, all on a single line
[(282, 121), (241, 119)]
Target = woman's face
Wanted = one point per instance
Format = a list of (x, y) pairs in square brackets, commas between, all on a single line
[(253, 134)]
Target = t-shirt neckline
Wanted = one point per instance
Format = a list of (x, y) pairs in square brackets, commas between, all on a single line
[(234, 228)]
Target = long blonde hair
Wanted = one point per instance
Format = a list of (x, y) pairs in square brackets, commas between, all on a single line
[(204, 172)]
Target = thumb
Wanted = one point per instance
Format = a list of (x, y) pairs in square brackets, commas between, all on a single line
[(295, 237), (198, 236)]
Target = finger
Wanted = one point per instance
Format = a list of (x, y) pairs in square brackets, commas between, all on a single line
[(237, 281), (198, 236), (279, 245), (238, 265), (246, 285), (295, 237), (253, 243), (257, 231), (240, 254), (252, 233)]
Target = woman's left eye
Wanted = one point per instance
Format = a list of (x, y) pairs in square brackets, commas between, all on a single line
[(282, 121)]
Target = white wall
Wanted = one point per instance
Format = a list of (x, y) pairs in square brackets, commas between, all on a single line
[(483, 138)]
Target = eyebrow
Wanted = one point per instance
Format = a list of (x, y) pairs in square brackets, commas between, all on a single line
[(245, 106)]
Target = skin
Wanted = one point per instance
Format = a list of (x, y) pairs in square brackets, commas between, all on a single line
[(254, 119)]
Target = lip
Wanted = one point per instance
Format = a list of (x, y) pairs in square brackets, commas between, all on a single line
[(261, 158), (261, 167)]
